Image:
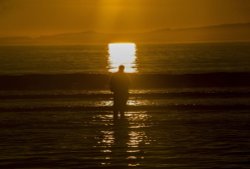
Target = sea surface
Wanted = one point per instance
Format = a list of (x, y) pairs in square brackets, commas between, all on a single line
[(189, 107), (172, 58)]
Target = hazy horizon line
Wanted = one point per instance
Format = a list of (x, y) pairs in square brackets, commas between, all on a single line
[(126, 32)]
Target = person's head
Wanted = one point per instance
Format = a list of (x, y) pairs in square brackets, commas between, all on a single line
[(121, 68)]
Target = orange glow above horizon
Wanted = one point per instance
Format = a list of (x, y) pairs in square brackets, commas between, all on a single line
[(103, 21)]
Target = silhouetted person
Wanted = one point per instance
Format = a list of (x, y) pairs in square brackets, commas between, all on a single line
[(119, 85)]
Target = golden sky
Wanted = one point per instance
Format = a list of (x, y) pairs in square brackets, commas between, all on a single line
[(45, 17)]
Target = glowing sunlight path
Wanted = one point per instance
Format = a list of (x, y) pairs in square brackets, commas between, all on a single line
[(122, 54)]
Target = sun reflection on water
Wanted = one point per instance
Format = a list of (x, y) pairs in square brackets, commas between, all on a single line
[(123, 139), (122, 54)]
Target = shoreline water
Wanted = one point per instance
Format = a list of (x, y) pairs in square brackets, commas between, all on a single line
[(144, 139), (90, 92), (139, 100)]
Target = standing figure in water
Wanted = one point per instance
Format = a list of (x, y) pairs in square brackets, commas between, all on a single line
[(119, 85)]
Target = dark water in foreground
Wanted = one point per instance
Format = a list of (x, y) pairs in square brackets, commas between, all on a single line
[(144, 139), (164, 128)]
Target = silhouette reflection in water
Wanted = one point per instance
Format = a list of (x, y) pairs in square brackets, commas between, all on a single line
[(119, 85), (123, 142)]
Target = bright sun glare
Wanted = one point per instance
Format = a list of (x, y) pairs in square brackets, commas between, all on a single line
[(122, 54)]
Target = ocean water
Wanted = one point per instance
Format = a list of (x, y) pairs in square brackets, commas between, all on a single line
[(196, 114), (145, 139), (172, 58)]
